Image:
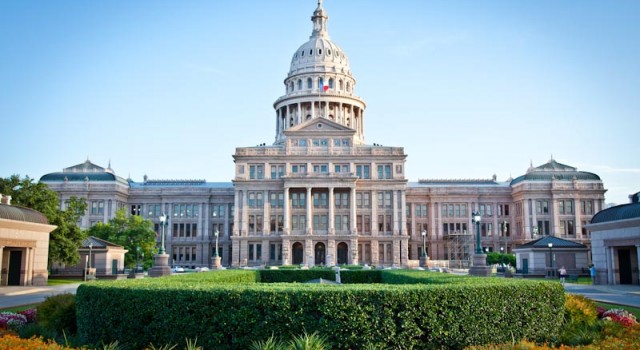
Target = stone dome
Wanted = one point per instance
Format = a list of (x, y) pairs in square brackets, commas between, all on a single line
[(319, 51)]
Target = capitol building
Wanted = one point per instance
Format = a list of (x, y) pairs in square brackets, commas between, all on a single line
[(320, 195)]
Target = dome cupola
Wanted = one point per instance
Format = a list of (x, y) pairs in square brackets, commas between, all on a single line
[(319, 84)]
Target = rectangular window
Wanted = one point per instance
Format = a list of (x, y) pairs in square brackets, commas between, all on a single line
[(299, 168), (277, 171), (586, 207), (363, 171), (341, 168), (542, 207), (565, 206), (154, 210), (384, 171), (256, 171), (320, 168)]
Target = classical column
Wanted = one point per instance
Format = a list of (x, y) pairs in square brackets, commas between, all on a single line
[(577, 226), (331, 252), (309, 212), (266, 212), (288, 118), (308, 252), (286, 245), (394, 199), (374, 213), (265, 252), (375, 253), (244, 247), (278, 122), (287, 203), (332, 228), (353, 248), (245, 214), (556, 218), (352, 212), (403, 213), (527, 221), (299, 112), (236, 217)]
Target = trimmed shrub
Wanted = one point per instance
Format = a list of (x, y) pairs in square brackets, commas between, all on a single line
[(293, 276), (361, 276), (58, 313), (430, 313)]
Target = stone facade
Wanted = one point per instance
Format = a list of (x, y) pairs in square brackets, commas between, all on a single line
[(319, 195), (616, 244), (24, 245)]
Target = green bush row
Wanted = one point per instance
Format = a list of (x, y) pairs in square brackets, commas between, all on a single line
[(433, 311)]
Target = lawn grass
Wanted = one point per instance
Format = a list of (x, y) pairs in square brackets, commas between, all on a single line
[(633, 310), (19, 308), (59, 281)]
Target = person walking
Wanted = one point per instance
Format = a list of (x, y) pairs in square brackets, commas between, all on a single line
[(592, 272), (563, 273)]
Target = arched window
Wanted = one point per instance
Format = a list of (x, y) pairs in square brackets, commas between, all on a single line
[(291, 87), (340, 85), (319, 51), (309, 83), (320, 83), (299, 84), (348, 86), (330, 83)]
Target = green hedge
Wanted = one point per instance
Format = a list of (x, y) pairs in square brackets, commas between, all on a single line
[(361, 276), (299, 276), (435, 311)]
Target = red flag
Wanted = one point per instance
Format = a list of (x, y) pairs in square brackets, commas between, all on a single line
[(325, 88)]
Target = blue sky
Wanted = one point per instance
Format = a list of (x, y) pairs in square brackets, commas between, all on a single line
[(469, 88)]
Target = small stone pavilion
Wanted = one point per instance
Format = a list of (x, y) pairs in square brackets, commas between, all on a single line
[(546, 255), (24, 245)]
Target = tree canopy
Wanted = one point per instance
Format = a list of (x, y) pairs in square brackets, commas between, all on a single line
[(131, 232), (67, 237)]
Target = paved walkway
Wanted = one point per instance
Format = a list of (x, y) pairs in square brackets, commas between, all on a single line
[(618, 294), (18, 296)]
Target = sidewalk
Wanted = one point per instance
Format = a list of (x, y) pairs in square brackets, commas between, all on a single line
[(614, 294), (18, 295)]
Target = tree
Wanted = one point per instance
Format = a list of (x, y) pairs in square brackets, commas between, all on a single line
[(131, 232), (67, 237)]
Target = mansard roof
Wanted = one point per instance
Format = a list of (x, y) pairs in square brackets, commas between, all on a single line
[(12, 212), (86, 171), (553, 170), (619, 212)]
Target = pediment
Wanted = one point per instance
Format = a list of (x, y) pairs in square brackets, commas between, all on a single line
[(319, 126)]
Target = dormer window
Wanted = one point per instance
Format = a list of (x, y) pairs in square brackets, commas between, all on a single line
[(319, 51)]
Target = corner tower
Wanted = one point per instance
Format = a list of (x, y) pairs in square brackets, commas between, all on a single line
[(319, 85)]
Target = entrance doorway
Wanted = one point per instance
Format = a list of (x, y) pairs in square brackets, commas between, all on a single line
[(15, 264), (624, 264), (298, 252), (320, 254), (343, 251)]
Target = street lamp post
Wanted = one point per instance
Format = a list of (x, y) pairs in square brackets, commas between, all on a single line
[(163, 221), (216, 256), (502, 258), (424, 258), (161, 265), (137, 258), (479, 267), (550, 245), (476, 220), (90, 249)]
